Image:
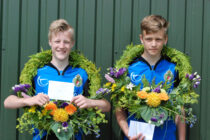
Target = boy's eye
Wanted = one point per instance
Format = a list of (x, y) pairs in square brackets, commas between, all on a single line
[(148, 39), (158, 39), (66, 42), (57, 41)]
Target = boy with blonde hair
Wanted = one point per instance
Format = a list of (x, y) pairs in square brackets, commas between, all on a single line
[(61, 41), (152, 64)]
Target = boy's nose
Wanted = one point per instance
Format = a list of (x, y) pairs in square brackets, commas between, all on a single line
[(154, 43)]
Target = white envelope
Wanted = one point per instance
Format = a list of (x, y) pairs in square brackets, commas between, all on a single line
[(137, 127), (61, 90)]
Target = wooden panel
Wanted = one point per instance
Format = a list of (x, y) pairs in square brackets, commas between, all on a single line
[(159, 7), (86, 28), (193, 48), (68, 11), (104, 50), (205, 104), (122, 26), (140, 10), (49, 12), (29, 40), (176, 32), (9, 69)]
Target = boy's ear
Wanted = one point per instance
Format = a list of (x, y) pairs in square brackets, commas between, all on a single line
[(166, 40), (141, 37), (49, 42)]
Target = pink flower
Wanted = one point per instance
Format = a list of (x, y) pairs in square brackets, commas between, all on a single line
[(108, 78)]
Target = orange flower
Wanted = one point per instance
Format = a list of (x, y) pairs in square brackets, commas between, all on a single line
[(70, 109), (51, 106), (142, 94), (163, 96)]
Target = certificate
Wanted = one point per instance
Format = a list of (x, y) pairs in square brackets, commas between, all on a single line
[(137, 127), (60, 90)]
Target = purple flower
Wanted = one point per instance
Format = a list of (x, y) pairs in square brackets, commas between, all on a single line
[(102, 91), (191, 76), (112, 71), (64, 105), (187, 75), (161, 116), (108, 78), (27, 86), (153, 119), (16, 89), (65, 124), (195, 86), (157, 89), (120, 72)]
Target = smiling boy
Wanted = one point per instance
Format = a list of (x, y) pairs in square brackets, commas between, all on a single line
[(152, 64), (61, 41)]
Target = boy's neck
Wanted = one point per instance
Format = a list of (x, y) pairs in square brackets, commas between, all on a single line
[(60, 65), (152, 60)]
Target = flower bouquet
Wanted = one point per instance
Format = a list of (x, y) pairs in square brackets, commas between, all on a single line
[(59, 117), (154, 103)]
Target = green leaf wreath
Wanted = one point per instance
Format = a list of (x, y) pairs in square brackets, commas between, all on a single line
[(129, 97), (61, 118)]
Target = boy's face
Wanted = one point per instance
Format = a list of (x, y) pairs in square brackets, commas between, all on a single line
[(153, 42), (61, 45)]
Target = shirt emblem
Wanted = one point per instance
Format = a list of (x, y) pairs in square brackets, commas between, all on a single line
[(77, 80), (168, 76)]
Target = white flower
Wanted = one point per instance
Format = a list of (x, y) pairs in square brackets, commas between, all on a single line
[(149, 122), (195, 73), (146, 89), (161, 122), (58, 130), (162, 90), (130, 86)]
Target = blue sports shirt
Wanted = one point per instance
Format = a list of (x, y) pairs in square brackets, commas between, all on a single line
[(49, 72), (163, 70)]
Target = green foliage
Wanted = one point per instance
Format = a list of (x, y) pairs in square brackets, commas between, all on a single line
[(179, 97), (75, 59)]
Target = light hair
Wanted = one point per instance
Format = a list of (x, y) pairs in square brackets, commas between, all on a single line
[(153, 24), (60, 25)]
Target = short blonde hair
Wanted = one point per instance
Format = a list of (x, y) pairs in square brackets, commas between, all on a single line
[(154, 23), (60, 25)]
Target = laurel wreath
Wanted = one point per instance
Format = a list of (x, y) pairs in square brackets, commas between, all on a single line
[(182, 66), (76, 59)]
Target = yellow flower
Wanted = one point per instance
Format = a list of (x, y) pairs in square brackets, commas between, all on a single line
[(60, 115), (113, 87), (153, 99), (44, 112), (108, 84), (164, 96), (142, 94), (32, 109), (122, 89)]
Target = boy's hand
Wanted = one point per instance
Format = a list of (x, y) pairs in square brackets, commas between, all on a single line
[(82, 102), (39, 99), (138, 137)]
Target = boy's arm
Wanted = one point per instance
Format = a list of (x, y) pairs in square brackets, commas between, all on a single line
[(121, 119), (181, 128), (13, 101), (83, 102)]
